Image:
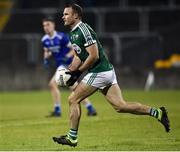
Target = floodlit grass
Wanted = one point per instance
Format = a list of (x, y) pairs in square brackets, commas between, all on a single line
[(23, 125)]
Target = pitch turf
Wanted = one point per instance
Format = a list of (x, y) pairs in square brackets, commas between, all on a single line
[(23, 125)]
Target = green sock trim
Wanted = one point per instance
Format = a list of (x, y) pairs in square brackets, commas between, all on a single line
[(157, 113), (72, 140), (72, 134)]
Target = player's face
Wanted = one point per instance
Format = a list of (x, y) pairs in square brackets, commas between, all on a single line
[(48, 27), (69, 17)]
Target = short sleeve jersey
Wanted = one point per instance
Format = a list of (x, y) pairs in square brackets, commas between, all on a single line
[(58, 45), (82, 36)]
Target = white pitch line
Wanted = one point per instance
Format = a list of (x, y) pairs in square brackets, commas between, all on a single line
[(17, 124)]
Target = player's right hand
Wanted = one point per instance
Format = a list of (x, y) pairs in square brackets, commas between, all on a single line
[(46, 63), (74, 77)]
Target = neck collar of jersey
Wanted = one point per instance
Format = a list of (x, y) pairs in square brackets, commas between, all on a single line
[(76, 26), (51, 37)]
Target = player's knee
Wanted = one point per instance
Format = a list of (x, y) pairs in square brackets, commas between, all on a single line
[(52, 86), (72, 100), (120, 108)]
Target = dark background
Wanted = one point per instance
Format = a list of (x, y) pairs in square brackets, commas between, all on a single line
[(135, 33)]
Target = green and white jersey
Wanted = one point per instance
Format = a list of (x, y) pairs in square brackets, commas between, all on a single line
[(82, 36)]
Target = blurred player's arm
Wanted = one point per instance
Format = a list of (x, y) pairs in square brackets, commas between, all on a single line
[(47, 53), (46, 57)]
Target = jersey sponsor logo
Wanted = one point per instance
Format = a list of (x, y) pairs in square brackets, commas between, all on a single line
[(47, 43), (76, 48), (54, 49)]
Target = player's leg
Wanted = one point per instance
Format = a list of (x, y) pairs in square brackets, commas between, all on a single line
[(56, 97), (91, 111), (81, 92), (114, 96)]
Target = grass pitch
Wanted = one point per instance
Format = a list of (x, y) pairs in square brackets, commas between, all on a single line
[(23, 125)]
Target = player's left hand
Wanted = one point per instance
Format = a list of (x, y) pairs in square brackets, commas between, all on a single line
[(74, 76)]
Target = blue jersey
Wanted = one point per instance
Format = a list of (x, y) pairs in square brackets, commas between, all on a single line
[(58, 46)]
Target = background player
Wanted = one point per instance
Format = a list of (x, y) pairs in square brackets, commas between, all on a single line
[(56, 44)]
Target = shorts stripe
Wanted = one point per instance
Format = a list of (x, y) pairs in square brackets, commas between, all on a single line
[(92, 78)]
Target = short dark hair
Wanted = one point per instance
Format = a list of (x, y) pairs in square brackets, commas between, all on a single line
[(76, 8), (49, 18)]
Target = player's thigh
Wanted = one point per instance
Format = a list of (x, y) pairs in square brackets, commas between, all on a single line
[(114, 96), (52, 82), (81, 92), (74, 86)]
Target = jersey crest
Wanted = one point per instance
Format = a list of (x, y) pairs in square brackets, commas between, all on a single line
[(75, 37)]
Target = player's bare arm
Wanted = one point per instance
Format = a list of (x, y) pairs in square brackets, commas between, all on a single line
[(88, 63), (91, 59), (47, 53), (75, 63)]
